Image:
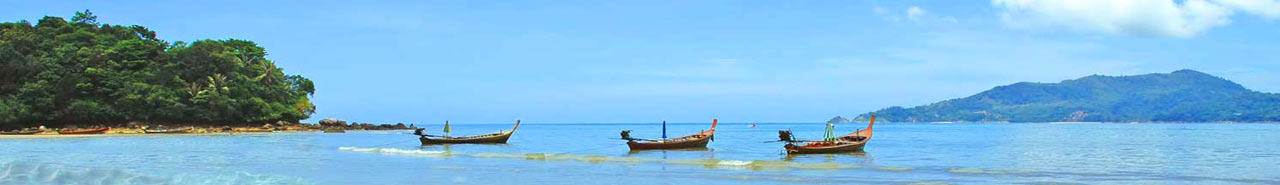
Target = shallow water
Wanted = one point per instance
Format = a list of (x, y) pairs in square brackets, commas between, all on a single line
[(899, 153)]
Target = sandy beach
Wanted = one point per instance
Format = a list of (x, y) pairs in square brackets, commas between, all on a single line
[(56, 136), (122, 132)]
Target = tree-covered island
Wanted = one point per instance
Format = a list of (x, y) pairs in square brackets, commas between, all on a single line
[(1180, 96), (59, 73)]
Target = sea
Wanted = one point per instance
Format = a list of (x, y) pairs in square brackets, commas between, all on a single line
[(741, 154)]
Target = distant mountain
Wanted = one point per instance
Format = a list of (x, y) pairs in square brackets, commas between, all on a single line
[(839, 119), (1181, 96)]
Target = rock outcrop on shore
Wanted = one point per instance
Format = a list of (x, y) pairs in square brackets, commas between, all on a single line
[(338, 123), (328, 122)]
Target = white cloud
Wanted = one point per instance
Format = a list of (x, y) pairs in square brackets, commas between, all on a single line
[(915, 13), (1132, 17), (1269, 9)]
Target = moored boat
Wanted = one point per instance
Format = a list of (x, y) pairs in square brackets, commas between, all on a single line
[(85, 131), (697, 140), (22, 132), (848, 143), (499, 137)]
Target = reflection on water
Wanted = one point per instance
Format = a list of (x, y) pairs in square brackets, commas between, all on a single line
[(862, 156), (540, 154), (702, 149)]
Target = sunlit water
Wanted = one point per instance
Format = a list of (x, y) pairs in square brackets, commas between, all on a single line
[(900, 153)]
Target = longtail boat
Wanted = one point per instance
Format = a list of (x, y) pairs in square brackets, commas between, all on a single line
[(852, 142), (22, 132), (697, 140), (167, 131), (499, 137), (85, 131)]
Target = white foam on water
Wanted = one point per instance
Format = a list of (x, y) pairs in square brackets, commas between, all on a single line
[(396, 151), (733, 163), (708, 163)]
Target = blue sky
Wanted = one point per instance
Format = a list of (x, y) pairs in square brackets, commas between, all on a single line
[(691, 61)]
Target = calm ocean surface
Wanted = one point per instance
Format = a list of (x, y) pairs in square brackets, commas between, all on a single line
[(899, 153)]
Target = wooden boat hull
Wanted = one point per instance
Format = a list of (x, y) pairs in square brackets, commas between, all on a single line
[(694, 143), (838, 148), (24, 132), (85, 131), (497, 139), (696, 140), (494, 138), (849, 143)]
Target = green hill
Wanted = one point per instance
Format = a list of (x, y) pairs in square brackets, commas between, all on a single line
[(80, 72), (1181, 96)]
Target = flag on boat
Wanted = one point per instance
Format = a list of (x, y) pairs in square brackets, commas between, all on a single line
[(830, 133), (446, 126), (664, 129)]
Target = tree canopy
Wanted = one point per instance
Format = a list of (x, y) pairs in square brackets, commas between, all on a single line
[(58, 72)]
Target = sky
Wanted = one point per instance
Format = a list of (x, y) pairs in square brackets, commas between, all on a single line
[(691, 61)]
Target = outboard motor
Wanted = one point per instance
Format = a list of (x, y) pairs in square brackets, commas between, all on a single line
[(785, 135), (626, 134), (418, 131)]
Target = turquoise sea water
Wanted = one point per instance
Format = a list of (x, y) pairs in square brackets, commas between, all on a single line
[(899, 153)]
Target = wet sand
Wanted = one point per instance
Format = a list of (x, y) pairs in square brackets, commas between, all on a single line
[(138, 132)]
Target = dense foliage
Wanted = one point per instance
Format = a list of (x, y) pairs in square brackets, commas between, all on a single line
[(1181, 96), (81, 72)]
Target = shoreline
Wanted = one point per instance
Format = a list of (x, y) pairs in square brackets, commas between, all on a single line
[(139, 133), (58, 136)]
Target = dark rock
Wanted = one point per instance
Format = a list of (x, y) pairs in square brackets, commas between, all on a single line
[(332, 122)]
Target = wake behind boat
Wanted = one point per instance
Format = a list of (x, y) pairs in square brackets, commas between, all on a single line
[(697, 140), (852, 142), (499, 137)]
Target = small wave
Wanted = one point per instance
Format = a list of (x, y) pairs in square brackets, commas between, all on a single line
[(928, 183), (733, 163), (599, 159), (703, 162), (894, 168), (502, 155), (829, 166), (48, 173), (982, 171), (397, 151), (451, 167), (759, 164)]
